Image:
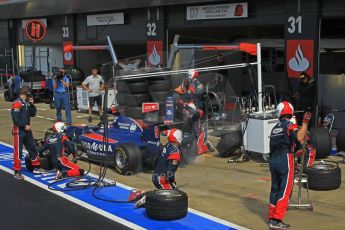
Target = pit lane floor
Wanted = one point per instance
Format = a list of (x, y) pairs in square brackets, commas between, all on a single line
[(26, 206), (234, 192)]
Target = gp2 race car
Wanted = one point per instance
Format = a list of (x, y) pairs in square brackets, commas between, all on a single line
[(131, 144)]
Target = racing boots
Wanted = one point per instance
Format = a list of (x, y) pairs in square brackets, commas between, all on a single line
[(58, 175), (278, 224), (210, 146), (18, 175)]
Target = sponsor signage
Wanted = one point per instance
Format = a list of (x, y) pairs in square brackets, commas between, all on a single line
[(105, 19), (67, 54), (24, 22), (219, 11), (35, 30), (150, 107), (299, 57), (154, 53)]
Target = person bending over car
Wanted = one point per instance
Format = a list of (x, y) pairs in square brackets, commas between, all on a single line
[(168, 161), (58, 146)]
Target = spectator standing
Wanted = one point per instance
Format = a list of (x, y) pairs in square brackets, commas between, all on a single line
[(94, 84)]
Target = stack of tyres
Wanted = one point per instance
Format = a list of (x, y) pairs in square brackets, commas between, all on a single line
[(132, 93)]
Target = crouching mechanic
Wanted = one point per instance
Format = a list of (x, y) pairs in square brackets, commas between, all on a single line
[(21, 111), (168, 161), (58, 145), (284, 136)]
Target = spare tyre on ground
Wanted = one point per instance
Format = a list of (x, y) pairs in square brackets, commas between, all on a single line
[(229, 142), (324, 176), (340, 141), (166, 204), (322, 142)]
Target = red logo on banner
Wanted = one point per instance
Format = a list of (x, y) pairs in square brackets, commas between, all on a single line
[(154, 53), (150, 107), (35, 30), (67, 53), (300, 57)]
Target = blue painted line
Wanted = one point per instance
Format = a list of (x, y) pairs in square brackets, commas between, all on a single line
[(124, 211)]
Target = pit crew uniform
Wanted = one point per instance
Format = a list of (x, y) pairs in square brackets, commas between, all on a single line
[(21, 111), (56, 145), (164, 172), (281, 162), (310, 153), (196, 125)]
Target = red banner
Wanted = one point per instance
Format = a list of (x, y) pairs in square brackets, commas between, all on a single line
[(154, 53), (150, 107), (68, 59), (299, 57)]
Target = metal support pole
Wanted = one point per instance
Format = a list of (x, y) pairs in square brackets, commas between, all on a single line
[(112, 51), (258, 47)]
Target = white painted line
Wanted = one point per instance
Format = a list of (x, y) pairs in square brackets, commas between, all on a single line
[(51, 119), (48, 178), (39, 116), (51, 181), (5, 110), (42, 109), (78, 202), (45, 174)]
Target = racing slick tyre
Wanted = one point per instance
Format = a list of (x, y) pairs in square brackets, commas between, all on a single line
[(160, 87), (138, 87), (7, 96), (134, 112), (121, 98), (340, 141), (161, 82), (159, 96), (127, 159), (166, 204), (322, 142), (324, 176), (228, 143), (136, 99), (122, 87)]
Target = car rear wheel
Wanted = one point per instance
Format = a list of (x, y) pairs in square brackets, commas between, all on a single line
[(127, 159)]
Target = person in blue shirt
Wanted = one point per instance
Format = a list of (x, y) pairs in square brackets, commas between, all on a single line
[(61, 84)]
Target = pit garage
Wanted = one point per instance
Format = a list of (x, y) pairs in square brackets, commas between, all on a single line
[(223, 179)]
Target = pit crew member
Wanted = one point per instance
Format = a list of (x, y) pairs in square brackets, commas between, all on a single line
[(195, 122), (284, 137), (59, 148), (168, 161), (21, 111)]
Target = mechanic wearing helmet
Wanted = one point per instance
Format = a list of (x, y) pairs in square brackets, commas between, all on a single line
[(284, 136), (21, 111), (195, 122), (310, 151), (168, 161), (56, 144)]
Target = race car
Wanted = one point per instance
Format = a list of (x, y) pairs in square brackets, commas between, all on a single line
[(131, 144)]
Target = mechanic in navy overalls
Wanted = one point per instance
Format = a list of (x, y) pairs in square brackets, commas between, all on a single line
[(21, 111), (59, 148), (196, 124), (168, 161), (61, 84), (283, 139)]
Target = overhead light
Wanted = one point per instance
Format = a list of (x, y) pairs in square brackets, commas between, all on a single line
[(338, 51)]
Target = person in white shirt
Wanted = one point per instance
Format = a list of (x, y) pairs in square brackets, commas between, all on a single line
[(94, 84)]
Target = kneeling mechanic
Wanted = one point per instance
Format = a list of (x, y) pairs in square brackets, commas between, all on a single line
[(57, 144)]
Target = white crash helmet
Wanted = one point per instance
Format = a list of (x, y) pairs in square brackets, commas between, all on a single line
[(192, 73), (175, 135), (59, 127)]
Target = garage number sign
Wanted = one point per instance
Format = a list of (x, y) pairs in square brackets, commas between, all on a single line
[(35, 30)]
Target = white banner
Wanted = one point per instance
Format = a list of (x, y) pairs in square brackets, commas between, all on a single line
[(219, 11), (105, 19)]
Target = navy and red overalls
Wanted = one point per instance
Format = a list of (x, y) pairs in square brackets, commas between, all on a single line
[(164, 172), (56, 144), (281, 162), (310, 153), (21, 111), (197, 126)]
